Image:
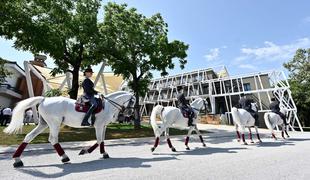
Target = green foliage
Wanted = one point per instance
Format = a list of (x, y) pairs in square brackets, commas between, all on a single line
[(65, 30), (135, 45), (299, 68), (53, 93), (3, 71)]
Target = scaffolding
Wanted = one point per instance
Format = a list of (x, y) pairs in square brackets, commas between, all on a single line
[(223, 91)]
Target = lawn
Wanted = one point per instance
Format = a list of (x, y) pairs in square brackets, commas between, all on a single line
[(114, 131)]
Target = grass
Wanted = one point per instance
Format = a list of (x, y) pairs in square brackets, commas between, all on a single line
[(114, 131)]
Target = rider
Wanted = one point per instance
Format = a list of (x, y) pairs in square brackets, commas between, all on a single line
[(275, 108), (183, 105), (89, 93), (245, 103)]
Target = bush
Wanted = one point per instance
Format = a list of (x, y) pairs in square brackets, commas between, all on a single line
[(53, 93)]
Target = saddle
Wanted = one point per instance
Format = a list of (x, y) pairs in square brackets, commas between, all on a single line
[(83, 105)]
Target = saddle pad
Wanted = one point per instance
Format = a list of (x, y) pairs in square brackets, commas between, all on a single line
[(84, 107)]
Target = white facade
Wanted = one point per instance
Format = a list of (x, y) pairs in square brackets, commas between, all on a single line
[(8, 90)]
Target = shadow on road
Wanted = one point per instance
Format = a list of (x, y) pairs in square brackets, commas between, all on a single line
[(298, 139), (202, 151), (92, 166), (281, 142)]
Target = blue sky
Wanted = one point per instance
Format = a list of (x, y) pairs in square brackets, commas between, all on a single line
[(243, 35)]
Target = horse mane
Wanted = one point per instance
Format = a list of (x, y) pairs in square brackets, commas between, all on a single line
[(196, 101), (117, 93)]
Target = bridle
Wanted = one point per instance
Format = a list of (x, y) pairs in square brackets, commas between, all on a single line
[(204, 103), (120, 107)]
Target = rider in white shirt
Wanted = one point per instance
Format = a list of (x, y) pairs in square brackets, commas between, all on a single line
[(7, 113)]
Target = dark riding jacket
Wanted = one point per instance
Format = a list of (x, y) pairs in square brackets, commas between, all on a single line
[(181, 100), (274, 107), (88, 87), (245, 103)]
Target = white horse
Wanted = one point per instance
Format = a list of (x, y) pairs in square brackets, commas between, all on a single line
[(172, 116), (243, 119), (272, 120), (55, 111)]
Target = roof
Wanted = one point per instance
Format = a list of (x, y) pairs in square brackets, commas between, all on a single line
[(112, 81), (14, 63)]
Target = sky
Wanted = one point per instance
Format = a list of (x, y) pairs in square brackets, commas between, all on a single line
[(244, 35)]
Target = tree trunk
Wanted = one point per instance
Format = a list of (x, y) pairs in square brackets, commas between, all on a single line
[(137, 112), (135, 87), (75, 83)]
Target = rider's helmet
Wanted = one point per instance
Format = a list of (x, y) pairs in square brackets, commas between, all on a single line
[(88, 69), (179, 88)]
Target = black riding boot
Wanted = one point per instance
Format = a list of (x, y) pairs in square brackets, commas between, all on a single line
[(87, 115), (190, 121)]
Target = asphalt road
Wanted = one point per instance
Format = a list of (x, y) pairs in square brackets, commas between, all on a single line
[(223, 158)]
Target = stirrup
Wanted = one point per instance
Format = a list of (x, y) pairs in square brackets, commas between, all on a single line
[(190, 124), (85, 124)]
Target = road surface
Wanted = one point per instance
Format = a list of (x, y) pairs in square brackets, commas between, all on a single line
[(223, 158)]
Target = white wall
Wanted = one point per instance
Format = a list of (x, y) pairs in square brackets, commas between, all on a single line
[(4, 101), (12, 79)]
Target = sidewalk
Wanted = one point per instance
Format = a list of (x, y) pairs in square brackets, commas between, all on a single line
[(215, 131)]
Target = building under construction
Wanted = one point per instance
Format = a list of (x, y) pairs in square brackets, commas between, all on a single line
[(223, 91)]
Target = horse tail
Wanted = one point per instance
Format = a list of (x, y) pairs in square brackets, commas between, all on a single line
[(267, 121), (156, 110), (16, 123), (235, 115)]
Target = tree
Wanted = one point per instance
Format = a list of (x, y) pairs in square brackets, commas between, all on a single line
[(136, 45), (65, 30), (299, 79), (54, 92), (3, 71)]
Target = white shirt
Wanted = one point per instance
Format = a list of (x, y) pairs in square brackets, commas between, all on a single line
[(7, 111), (29, 112)]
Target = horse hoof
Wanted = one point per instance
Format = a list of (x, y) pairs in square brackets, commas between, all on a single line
[(65, 160), (82, 152), (106, 156), (18, 164), (252, 142), (153, 149), (238, 140), (260, 141), (186, 148), (204, 145), (173, 149), (245, 143)]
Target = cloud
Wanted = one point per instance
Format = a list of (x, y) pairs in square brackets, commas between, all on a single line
[(213, 54), (272, 52), (247, 66), (306, 19)]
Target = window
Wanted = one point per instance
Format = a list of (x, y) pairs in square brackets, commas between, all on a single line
[(247, 86)]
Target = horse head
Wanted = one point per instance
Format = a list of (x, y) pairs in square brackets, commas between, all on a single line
[(283, 109), (199, 104), (123, 101), (254, 106)]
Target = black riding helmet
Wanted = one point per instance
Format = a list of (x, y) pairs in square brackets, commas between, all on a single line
[(88, 69), (179, 88)]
